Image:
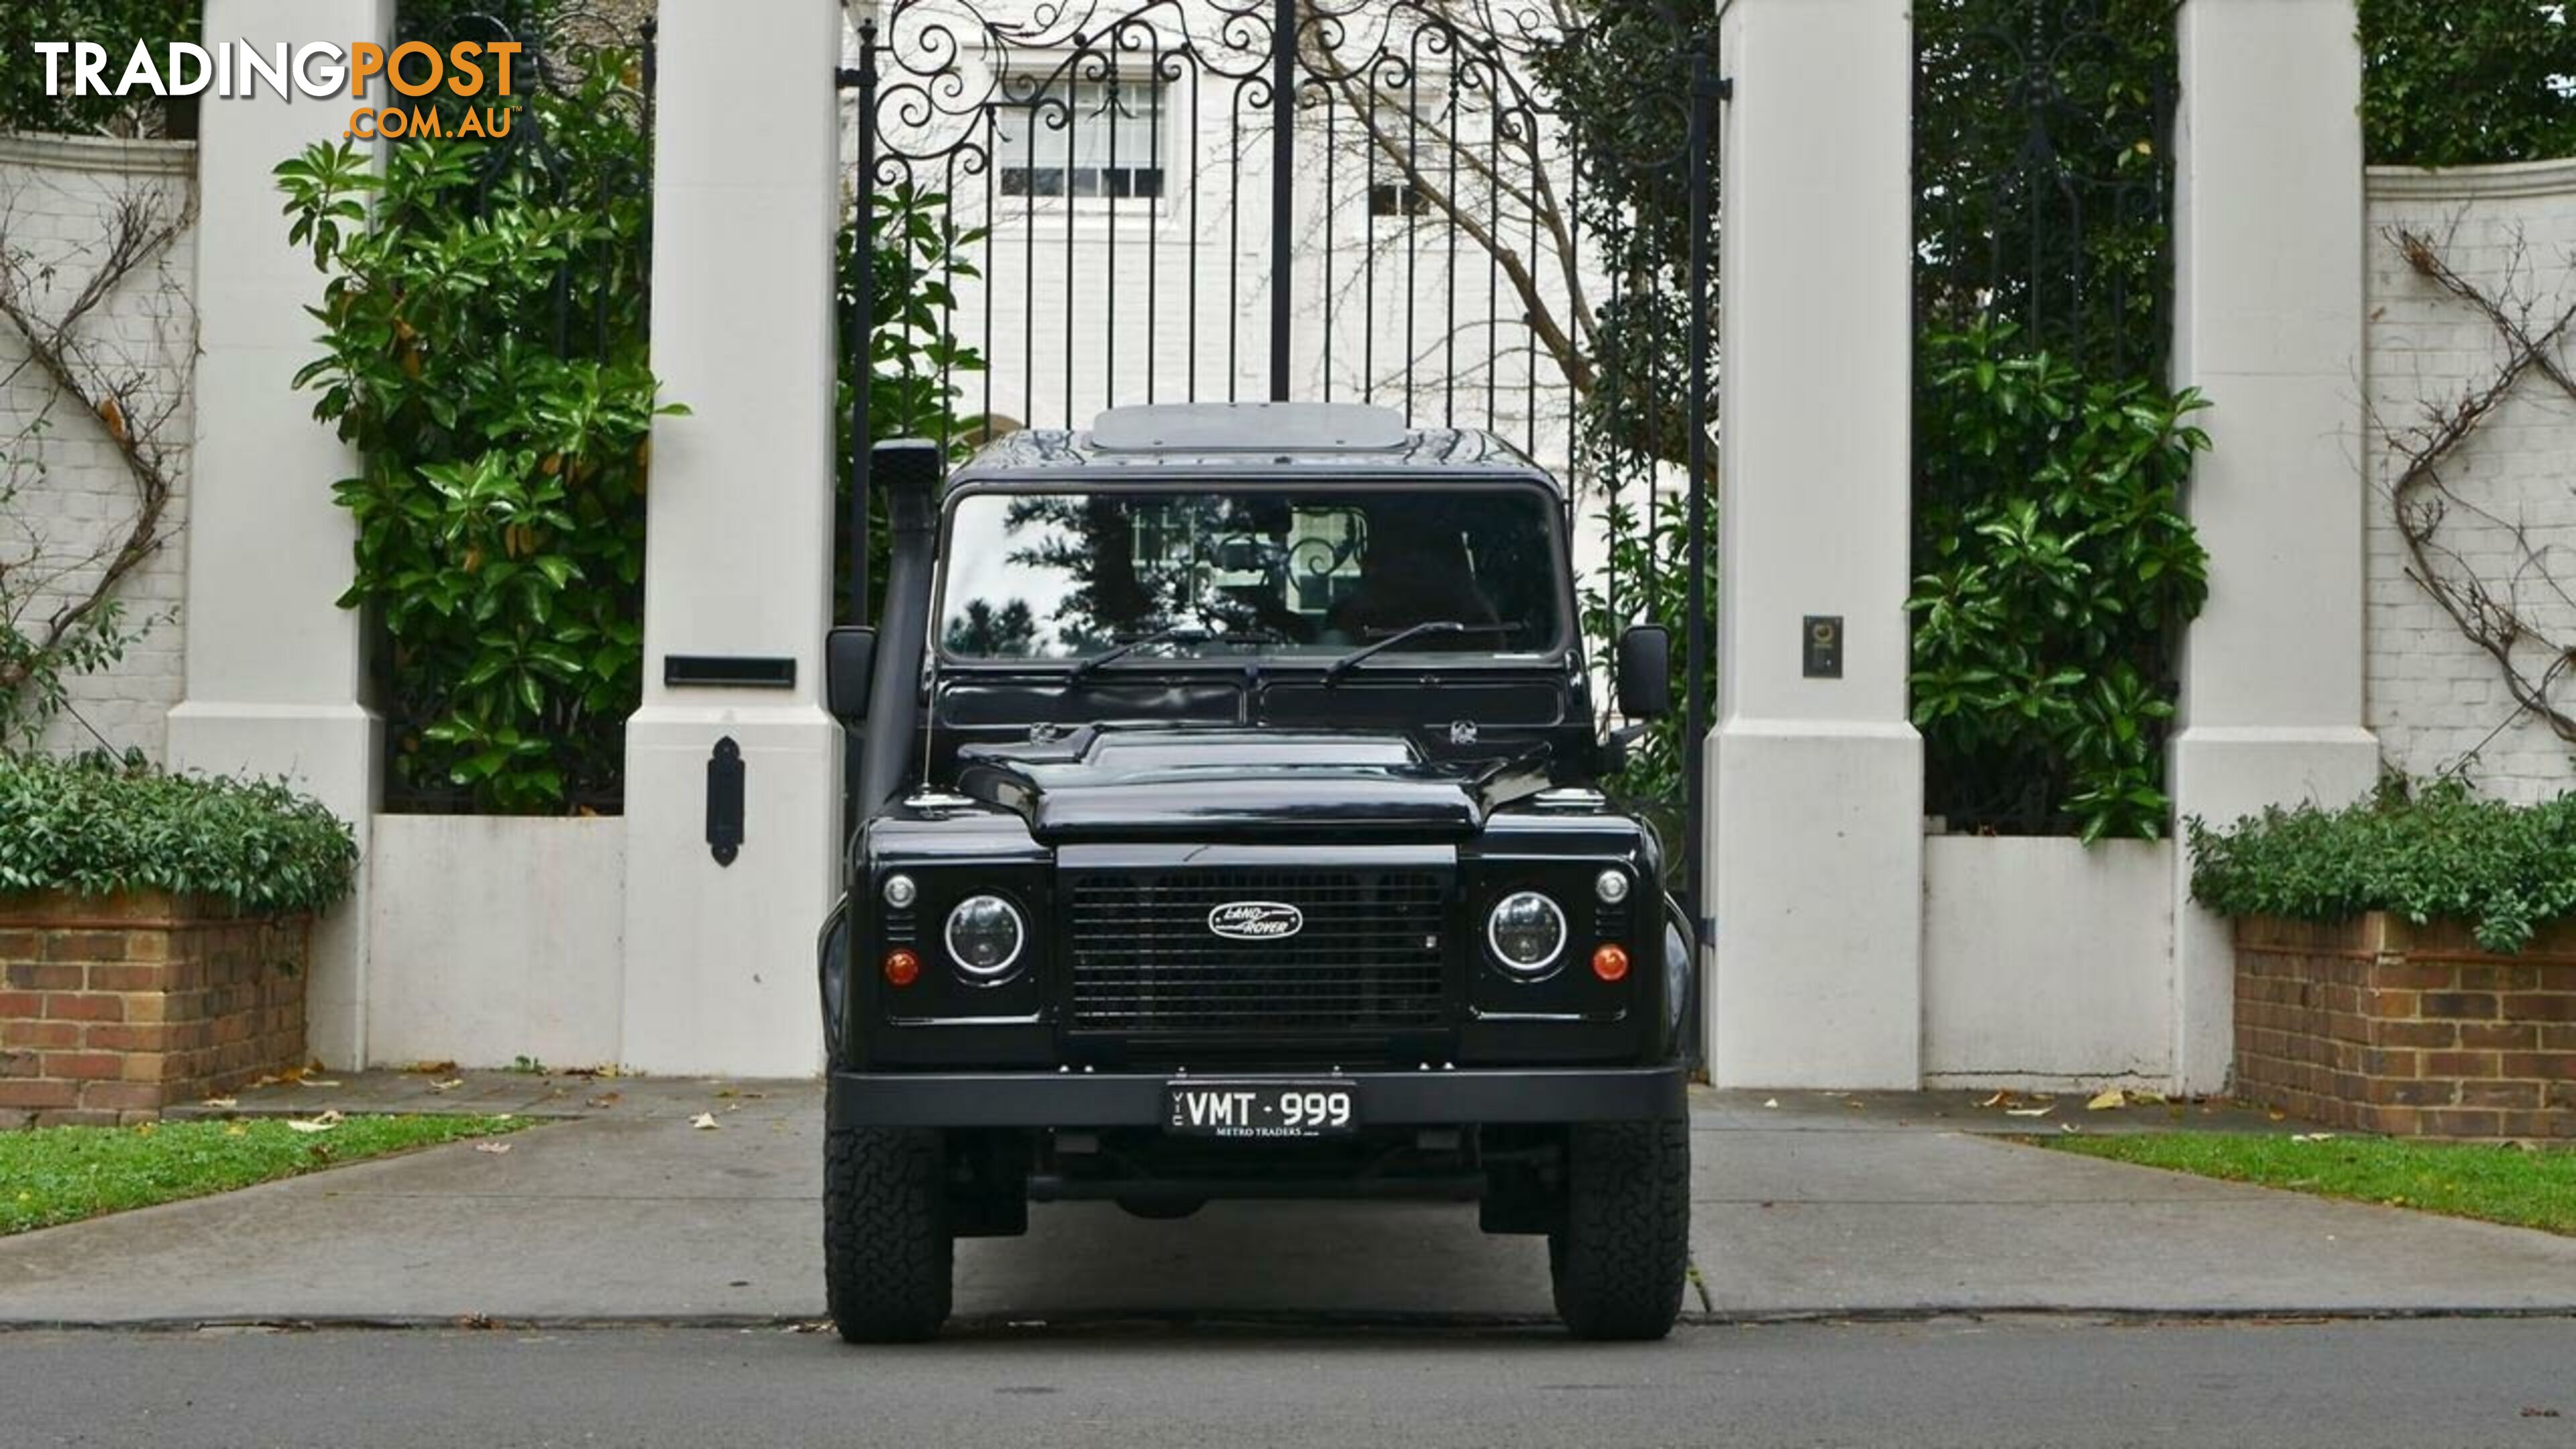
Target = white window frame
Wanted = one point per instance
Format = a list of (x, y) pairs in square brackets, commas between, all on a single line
[(1157, 141)]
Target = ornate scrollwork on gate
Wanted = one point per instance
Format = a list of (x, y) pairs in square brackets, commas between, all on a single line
[(1123, 154)]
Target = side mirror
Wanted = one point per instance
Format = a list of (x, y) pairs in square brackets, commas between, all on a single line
[(849, 663), (1645, 671)]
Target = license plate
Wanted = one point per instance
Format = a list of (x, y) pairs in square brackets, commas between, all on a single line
[(1260, 1109)]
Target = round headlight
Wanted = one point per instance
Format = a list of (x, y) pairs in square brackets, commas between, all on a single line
[(1526, 930), (900, 892), (984, 936), (1612, 887)]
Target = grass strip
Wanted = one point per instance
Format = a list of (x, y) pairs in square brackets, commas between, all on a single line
[(2524, 1187), (54, 1175)]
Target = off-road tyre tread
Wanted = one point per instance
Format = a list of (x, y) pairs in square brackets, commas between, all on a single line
[(1621, 1262), (887, 1251)]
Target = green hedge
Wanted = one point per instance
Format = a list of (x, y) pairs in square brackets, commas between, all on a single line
[(2460, 82), (2439, 852), (91, 827), (117, 24)]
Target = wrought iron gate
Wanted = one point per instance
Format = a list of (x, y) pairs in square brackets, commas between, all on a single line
[(1116, 201)]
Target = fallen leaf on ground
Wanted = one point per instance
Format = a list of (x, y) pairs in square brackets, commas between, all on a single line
[(606, 1099), (431, 1069), (2030, 1111), (2108, 1101), (2312, 1137), (221, 1103), (450, 1085), (1771, 1102), (495, 1148), (323, 1123), (314, 1082), (704, 1122), (1999, 1099)]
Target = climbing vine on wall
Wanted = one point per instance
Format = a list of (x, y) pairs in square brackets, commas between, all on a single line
[(2504, 607), (62, 608)]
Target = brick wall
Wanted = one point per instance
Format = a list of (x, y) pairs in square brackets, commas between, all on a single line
[(73, 494), (2435, 699), (114, 1008), (2380, 1026)]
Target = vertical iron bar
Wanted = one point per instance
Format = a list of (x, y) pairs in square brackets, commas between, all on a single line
[(1283, 191), (1072, 134), (1109, 254), (1695, 712), (1190, 251), (992, 274), (1332, 213), (863, 318), (1153, 220), (1234, 254), (1449, 277), (1029, 271), (1494, 267), (1376, 134)]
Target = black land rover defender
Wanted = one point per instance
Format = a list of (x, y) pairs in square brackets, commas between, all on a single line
[(1227, 830)]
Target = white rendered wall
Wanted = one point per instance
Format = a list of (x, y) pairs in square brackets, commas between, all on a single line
[(720, 959), (2438, 701), (1816, 836), (493, 939), (275, 667), (2047, 963), (57, 196), (2268, 322)]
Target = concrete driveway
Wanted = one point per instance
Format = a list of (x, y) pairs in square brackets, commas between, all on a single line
[(1816, 1206)]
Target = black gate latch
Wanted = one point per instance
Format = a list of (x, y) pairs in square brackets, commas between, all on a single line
[(724, 801)]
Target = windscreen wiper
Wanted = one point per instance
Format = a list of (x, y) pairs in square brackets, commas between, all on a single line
[(1176, 634), (1334, 671)]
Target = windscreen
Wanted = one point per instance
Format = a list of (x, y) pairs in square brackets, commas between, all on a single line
[(1242, 572)]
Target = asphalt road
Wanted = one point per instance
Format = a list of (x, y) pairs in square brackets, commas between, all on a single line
[(2415, 1384)]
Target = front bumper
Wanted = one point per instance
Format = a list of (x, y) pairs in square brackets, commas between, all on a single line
[(1135, 1099)]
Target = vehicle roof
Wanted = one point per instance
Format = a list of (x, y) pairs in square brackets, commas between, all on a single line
[(1317, 439)]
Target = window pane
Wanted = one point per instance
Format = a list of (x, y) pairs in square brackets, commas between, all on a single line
[(1088, 138)]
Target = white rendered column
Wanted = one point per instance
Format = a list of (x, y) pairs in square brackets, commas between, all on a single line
[(1816, 832), (2269, 239), (275, 669), (720, 959)]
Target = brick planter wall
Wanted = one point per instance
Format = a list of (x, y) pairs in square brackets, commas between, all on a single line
[(112, 1008), (2381, 1026)]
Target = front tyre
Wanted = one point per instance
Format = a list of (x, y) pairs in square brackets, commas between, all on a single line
[(1620, 1260), (887, 1250)]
